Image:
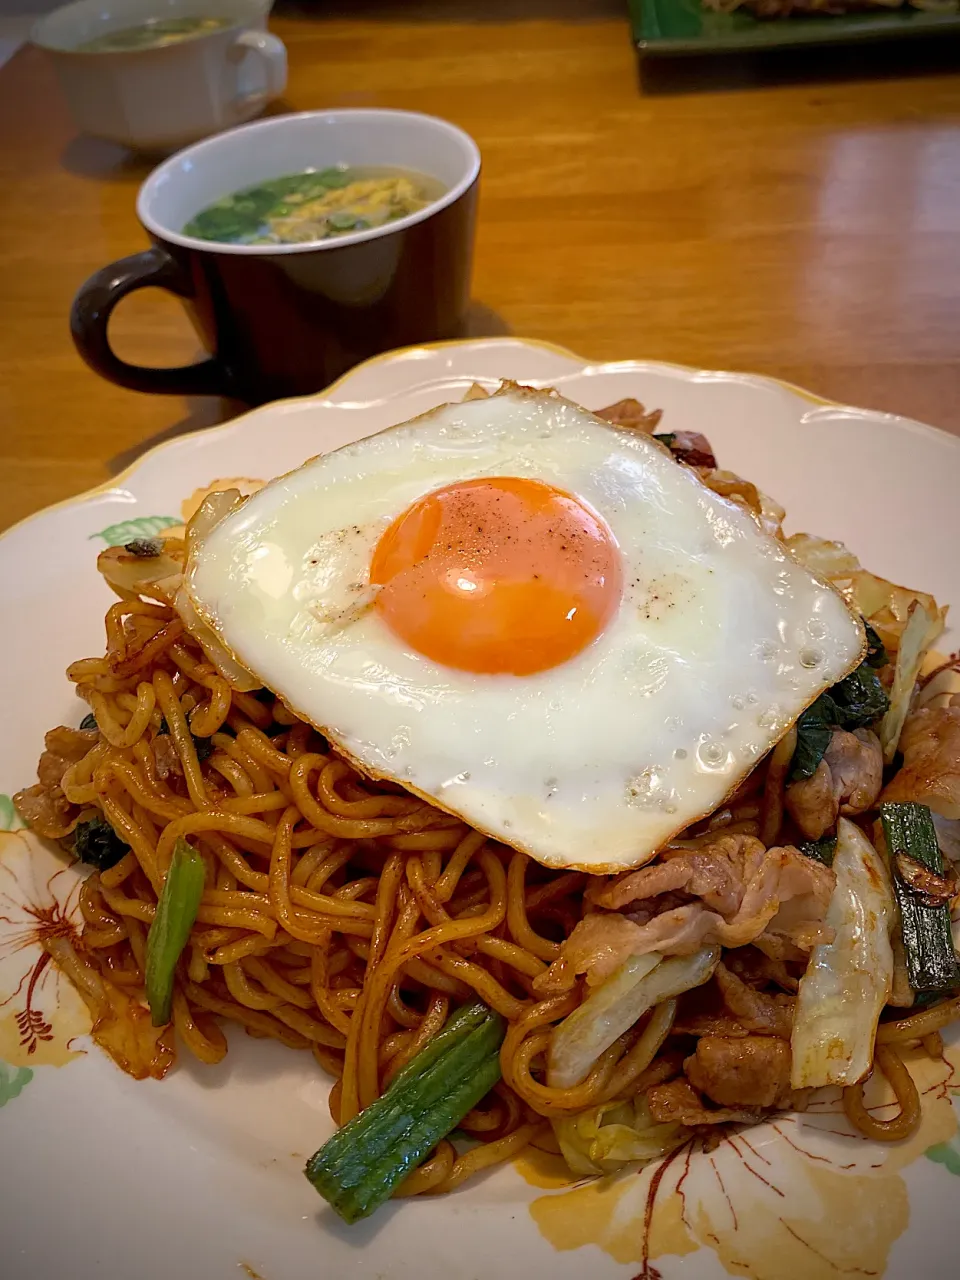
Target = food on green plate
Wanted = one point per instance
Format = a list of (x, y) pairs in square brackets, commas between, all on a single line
[(316, 205)]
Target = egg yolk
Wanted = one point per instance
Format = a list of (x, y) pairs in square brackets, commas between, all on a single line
[(501, 575)]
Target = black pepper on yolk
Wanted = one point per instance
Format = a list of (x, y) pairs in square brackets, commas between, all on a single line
[(502, 575)]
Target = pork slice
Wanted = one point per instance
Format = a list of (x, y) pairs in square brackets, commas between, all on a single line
[(677, 1102), (747, 1072), (930, 744)]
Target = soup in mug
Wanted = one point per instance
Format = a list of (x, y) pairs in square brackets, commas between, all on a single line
[(155, 34), (316, 205)]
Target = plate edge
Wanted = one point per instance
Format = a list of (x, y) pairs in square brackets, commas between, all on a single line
[(117, 481)]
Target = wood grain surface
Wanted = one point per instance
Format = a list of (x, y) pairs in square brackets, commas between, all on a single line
[(799, 218)]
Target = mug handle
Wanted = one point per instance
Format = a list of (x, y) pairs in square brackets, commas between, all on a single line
[(90, 317), (271, 53)]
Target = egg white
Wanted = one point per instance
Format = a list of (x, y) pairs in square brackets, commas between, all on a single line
[(720, 640)]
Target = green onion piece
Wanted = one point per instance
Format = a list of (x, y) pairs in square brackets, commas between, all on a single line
[(176, 912), (457, 1027), (343, 220), (359, 1168), (932, 963)]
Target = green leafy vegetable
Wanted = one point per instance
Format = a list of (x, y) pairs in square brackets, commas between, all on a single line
[(911, 840), (359, 1168), (858, 700), (203, 746), (813, 738), (330, 179), (244, 213), (97, 844), (89, 721), (822, 849), (926, 1000), (176, 911)]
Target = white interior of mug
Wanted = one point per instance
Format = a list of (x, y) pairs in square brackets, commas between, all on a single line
[(64, 29), (193, 179)]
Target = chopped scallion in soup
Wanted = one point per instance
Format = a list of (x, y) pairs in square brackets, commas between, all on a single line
[(317, 205), (154, 34)]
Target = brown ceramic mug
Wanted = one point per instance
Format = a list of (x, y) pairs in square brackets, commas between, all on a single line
[(282, 320)]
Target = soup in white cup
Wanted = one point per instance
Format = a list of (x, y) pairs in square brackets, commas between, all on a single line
[(155, 75)]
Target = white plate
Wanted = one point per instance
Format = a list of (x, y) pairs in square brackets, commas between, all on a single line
[(200, 1176)]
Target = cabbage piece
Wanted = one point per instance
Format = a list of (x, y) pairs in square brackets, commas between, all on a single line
[(948, 836), (848, 980), (611, 1009), (890, 605), (602, 1139), (885, 605), (921, 630), (767, 512), (215, 506), (828, 559)]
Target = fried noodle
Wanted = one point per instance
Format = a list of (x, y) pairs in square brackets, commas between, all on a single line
[(339, 915)]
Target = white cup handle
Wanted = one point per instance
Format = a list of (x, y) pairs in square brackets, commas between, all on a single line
[(271, 53)]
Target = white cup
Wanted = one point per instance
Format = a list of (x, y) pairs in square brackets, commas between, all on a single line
[(161, 99)]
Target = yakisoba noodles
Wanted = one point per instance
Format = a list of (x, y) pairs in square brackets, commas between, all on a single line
[(339, 917), (350, 918)]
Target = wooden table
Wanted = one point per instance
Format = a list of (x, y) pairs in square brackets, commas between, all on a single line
[(763, 221)]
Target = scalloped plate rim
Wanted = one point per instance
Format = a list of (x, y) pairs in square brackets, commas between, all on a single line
[(683, 372)]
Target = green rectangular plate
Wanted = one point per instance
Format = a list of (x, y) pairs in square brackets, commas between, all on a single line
[(685, 27)]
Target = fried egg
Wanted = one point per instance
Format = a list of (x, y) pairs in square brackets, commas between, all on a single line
[(540, 622)]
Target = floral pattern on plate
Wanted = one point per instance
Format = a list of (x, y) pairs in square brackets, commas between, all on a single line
[(41, 1014), (803, 1197)]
